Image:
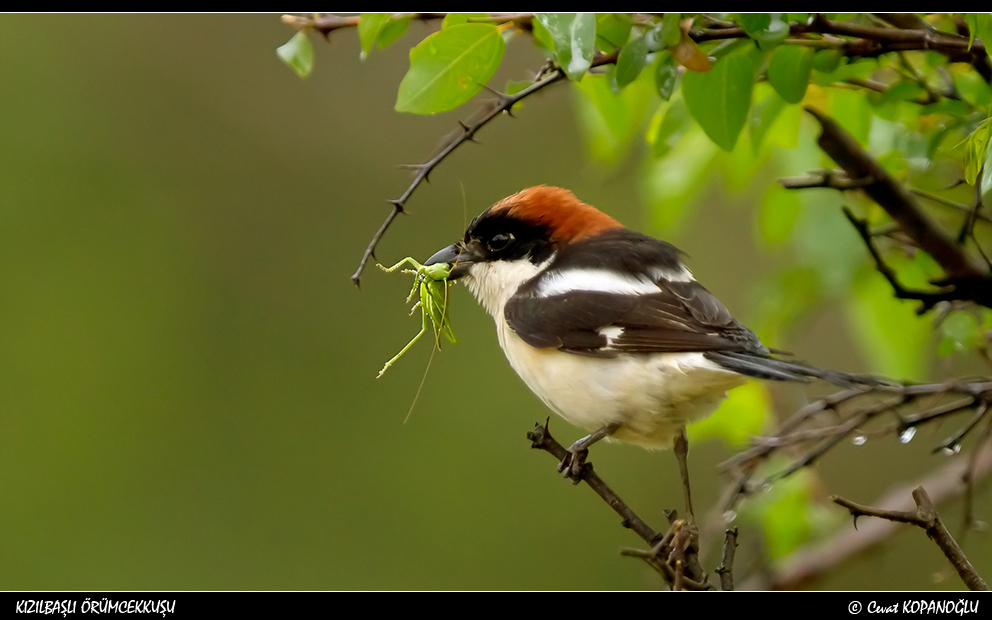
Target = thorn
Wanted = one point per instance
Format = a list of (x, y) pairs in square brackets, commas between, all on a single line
[(855, 522), (465, 127), (356, 280), (504, 100), (397, 204)]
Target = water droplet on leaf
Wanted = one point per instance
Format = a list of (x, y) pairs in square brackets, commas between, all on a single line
[(907, 435), (729, 516), (859, 440)]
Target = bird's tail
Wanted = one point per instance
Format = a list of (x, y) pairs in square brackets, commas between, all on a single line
[(781, 370)]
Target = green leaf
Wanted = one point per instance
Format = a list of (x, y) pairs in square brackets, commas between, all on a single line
[(902, 91), (631, 61), (787, 512), (962, 328), (298, 54), (779, 211), (859, 69), (986, 183), (665, 76), (765, 28), (744, 414), (667, 126), (671, 32), (671, 183), (613, 30), (889, 332), (774, 120), (789, 70), (719, 99), (975, 151), (852, 112), (611, 120), (449, 67), (827, 61), (754, 22), (369, 27), (982, 28), (947, 347), (574, 36), (455, 19), (392, 31)]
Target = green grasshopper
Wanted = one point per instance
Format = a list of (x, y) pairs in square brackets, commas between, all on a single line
[(432, 281)]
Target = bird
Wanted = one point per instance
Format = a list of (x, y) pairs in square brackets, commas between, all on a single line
[(606, 325)]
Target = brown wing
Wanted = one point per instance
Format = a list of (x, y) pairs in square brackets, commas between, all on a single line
[(682, 317)]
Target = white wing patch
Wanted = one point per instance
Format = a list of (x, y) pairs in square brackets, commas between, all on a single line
[(600, 280), (682, 274), (612, 333)]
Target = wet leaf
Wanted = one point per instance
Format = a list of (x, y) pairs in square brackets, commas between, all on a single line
[(449, 67)]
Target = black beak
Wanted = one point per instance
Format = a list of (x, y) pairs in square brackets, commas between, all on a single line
[(455, 254)]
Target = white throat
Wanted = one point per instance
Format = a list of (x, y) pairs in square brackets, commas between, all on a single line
[(493, 283)]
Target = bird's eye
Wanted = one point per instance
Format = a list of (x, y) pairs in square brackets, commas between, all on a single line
[(499, 242)]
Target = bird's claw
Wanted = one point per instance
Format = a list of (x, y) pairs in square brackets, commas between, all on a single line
[(573, 465)]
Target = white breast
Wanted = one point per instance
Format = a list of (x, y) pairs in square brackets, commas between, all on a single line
[(652, 395)]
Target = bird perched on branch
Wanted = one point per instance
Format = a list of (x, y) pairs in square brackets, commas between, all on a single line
[(606, 325)]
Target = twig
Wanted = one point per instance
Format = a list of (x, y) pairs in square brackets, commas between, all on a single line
[(926, 517), (726, 568), (971, 211), (502, 103), (968, 281), (892, 197), (674, 555), (928, 299), (833, 179), (977, 394), (541, 439), (813, 561), (968, 477)]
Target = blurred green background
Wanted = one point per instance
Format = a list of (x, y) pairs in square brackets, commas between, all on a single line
[(187, 372)]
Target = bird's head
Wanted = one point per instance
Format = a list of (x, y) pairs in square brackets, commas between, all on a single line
[(510, 242)]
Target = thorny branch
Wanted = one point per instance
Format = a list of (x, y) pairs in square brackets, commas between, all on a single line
[(895, 33), (964, 279), (909, 406), (926, 517), (814, 560), (673, 554), (486, 113)]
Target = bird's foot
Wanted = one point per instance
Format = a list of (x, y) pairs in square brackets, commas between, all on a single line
[(573, 464)]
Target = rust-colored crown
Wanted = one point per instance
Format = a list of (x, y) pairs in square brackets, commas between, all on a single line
[(565, 216)]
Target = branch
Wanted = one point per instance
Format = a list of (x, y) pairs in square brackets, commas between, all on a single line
[(926, 517), (674, 555), (326, 23), (890, 195), (832, 179), (488, 111), (813, 561), (485, 113), (969, 281), (726, 568), (928, 299), (541, 439), (871, 41), (976, 395)]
